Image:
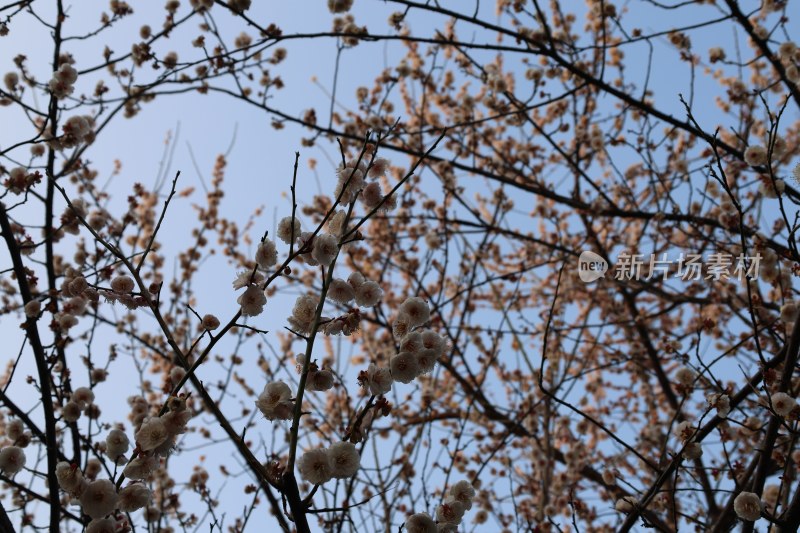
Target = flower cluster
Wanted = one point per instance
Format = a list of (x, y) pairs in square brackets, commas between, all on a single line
[(20, 180), (341, 461), (157, 434), (253, 299), (61, 85), (317, 379), (419, 349), (81, 401), (448, 515), (77, 129), (99, 498)]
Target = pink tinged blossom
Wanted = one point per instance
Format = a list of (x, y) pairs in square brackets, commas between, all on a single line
[(66, 321), (201, 5), (99, 498), (315, 466), (748, 506), (151, 434), (93, 468), (369, 294), (69, 476), (420, 523), (176, 375), (133, 497), (252, 301), (789, 312), (404, 367), (12, 460), (275, 401), (344, 459)]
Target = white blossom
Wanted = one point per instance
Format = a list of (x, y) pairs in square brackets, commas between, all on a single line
[(99, 498), (133, 497), (151, 434), (69, 476), (285, 228), (252, 301), (102, 525), (275, 401), (450, 512), (320, 380), (325, 248), (116, 443), (782, 403), (748, 506), (315, 466), (305, 308), (12, 460), (417, 311), (344, 459), (426, 359), (463, 492), (141, 467), (368, 294), (267, 254), (404, 367), (341, 292), (377, 380), (420, 523)]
